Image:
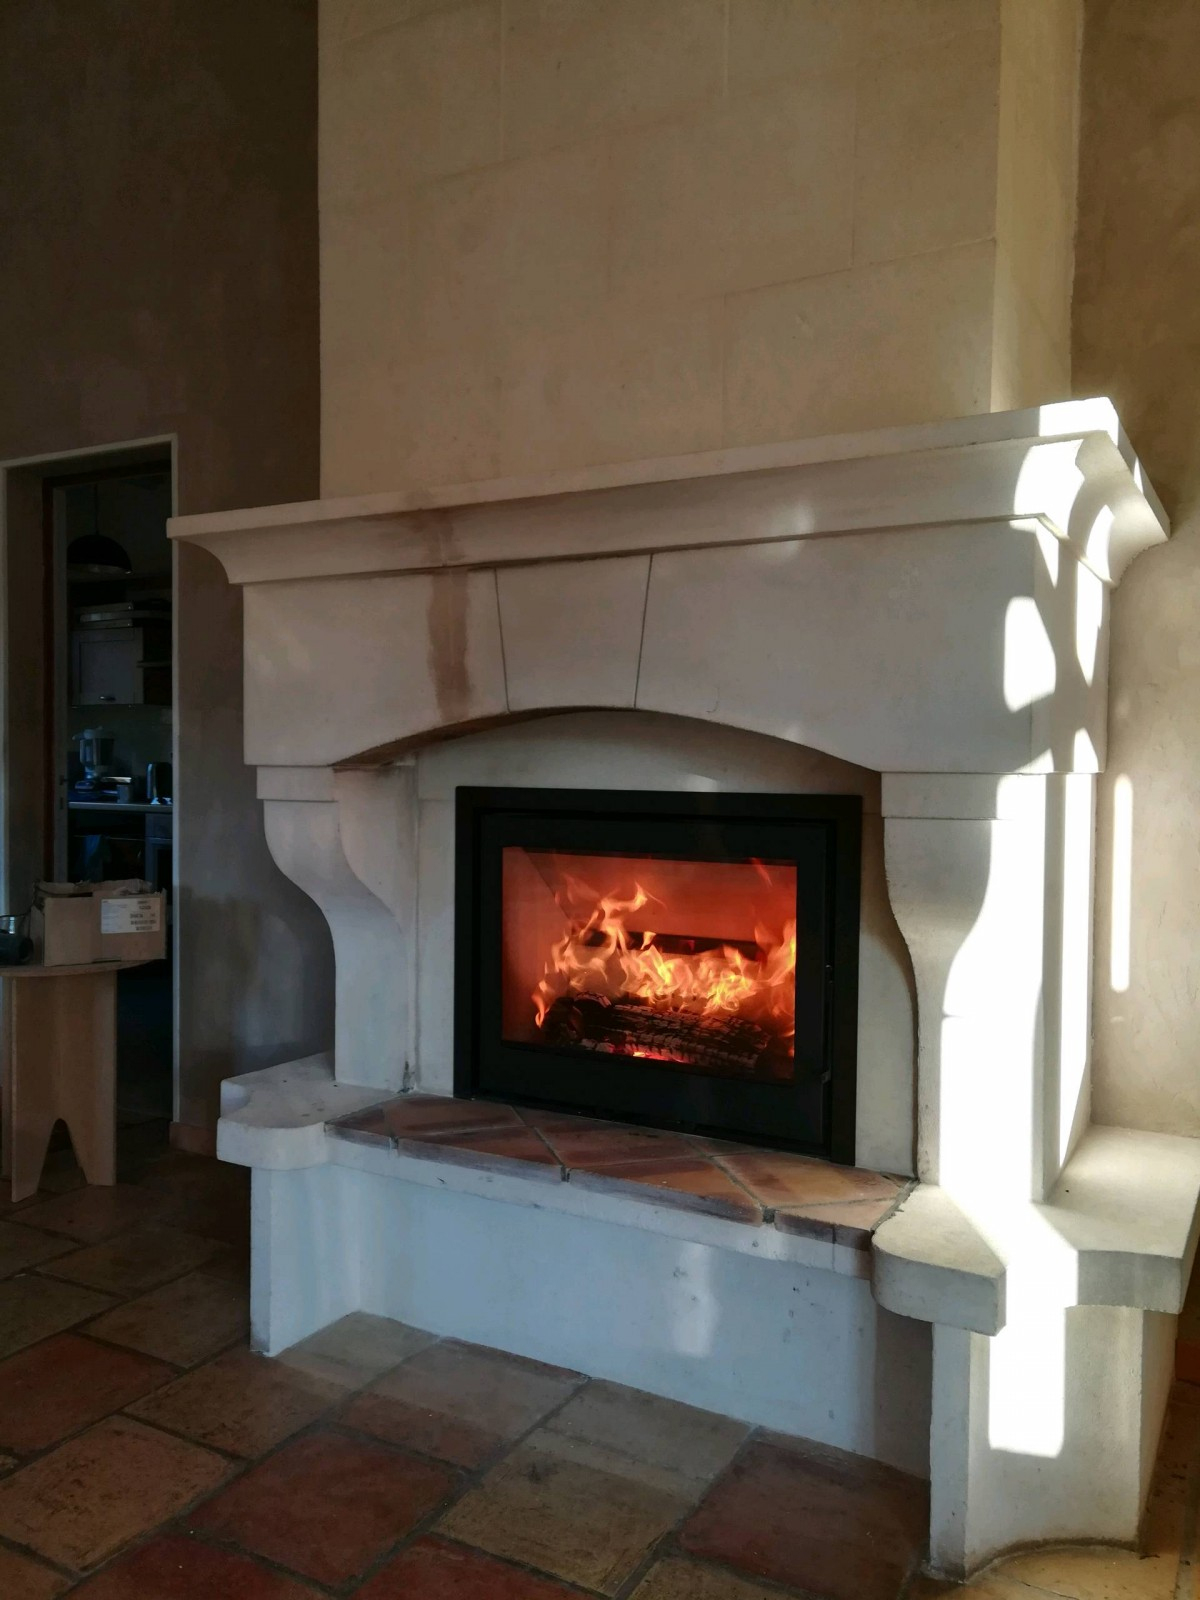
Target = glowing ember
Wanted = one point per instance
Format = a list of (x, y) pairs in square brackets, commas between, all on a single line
[(603, 954)]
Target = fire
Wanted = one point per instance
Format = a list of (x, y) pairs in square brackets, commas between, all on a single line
[(603, 953)]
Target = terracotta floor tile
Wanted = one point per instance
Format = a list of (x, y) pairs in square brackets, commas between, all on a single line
[(177, 1568), (496, 1394), (135, 1261), (356, 1349), (65, 1383), (432, 1569), (818, 1520), (687, 1182), (327, 1506), (93, 1213), (1099, 1573), (201, 1196), (547, 1507), (32, 1308), (689, 1445), (62, 1173), (22, 1247), (83, 1501), (23, 1579), (429, 1433), (782, 1179), (231, 1264), (241, 1402), (197, 1180), (192, 1319), (675, 1579), (985, 1587)]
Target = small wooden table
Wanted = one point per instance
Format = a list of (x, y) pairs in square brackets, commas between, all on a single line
[(58, 1051)]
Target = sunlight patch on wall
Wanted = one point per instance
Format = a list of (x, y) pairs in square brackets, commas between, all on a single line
[(1089, 616), (1078, 829), (1122, 883), (1030, 673)]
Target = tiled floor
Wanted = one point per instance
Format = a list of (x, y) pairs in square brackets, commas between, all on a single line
[(146, 1454)]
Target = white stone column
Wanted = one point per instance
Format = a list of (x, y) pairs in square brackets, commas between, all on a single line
[(1047, 1431), (991, 882)]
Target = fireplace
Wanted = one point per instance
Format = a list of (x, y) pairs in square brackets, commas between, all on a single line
[(682, 960), (919, 617)]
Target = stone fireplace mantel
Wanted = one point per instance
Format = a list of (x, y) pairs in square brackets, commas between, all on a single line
[(930, 604)]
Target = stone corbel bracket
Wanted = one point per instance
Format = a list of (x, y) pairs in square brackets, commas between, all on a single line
[(348, 840)]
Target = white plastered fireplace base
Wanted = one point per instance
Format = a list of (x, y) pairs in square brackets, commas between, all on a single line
[(930, 605)]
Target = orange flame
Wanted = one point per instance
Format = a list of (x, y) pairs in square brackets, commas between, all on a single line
[(599, 955)]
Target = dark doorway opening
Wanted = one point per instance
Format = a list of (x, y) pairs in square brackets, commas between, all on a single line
[(109, 726)]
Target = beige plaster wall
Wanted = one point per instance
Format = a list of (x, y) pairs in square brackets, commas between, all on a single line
[(1137, 338), (558, 232), (158, 276)]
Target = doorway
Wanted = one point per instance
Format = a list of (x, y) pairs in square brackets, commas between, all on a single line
[(110, 726), (86, 608)]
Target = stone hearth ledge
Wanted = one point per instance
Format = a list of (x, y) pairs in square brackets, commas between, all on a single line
[(1121, 1225), (286, 1118)]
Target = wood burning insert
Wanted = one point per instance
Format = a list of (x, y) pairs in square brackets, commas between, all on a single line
[(681, 960)]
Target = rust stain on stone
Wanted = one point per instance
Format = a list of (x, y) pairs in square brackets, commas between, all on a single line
[(447, 623)]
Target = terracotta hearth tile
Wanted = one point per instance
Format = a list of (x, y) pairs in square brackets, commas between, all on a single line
[(814, 1519), (688, 1580), (429, 1433), (135, 1261), (95, 1212), (550, 1505), (190, 1320), (178, 1568), (410, 1115), (242, 1402), (547, 1121), (491, 1395), (24, 1579), (488, 1149), (82, 1502), (327, 1506), (685, 1444), (356, 1349), (365, 1127), (22, 1247), (850, 1222), (593, 1145), (778, 1178), (32, 1308), (63, 1384), (433, 1569), (685, 1183)]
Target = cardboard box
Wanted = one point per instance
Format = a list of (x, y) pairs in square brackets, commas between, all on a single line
[(75, 924)]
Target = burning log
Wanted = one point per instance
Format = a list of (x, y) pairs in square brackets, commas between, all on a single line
[(632, 1027)]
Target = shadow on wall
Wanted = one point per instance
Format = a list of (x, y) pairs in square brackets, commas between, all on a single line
[(241, 957)]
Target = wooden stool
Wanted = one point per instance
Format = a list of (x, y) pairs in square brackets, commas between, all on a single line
[(59, 1060)]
